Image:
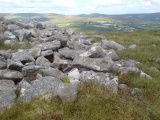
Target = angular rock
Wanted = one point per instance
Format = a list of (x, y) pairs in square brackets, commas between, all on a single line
[(60, 37), (104, 79), (59, 63), (35, 52), (2, 62), (67, 92), (22, 56), (11, 74), (38, 88), (12, 27), (14, 65), (52, 72), (124, 70), (39, 26), (77, 45), (7, 93), (158, 60), (122, 86), (112, 54), (31, 70), (9, 35), (144, 75), (132, 46), (5, 54), (69, 53), (42, 61), (154, 69), (20, 34), (47, 53), (109, 44), (74, 76), (54, 45), (94, 52), (98, 64)]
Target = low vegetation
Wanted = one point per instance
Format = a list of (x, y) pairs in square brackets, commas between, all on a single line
[(95, 102), (15, 46)]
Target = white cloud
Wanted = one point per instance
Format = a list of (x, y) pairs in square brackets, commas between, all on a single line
[(106, 2)]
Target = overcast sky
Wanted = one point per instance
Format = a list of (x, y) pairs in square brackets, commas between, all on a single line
[(73, 7)]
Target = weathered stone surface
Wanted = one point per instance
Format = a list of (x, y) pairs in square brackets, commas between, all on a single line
[(54, 45), (67, 92), (112, 54), (74, 76), (20, 34), (109, 44), (10, 74), (7, 93), (104, 79), (5, 54), (98, 64), (144, 75), (69, 53), (9, 35), (31, 70), (47, 53), (22, 56), (132, 46), (59, 63), (77, 45), (94, 52), (2, 62), (158, 60), (123, 70), (35, 52), (12, 27), (122, 86), (154, 69), (38, 88), (42, 61), (14, 65), (54, 72)]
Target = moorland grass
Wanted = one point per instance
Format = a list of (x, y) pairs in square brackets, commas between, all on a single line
[(95, 102)]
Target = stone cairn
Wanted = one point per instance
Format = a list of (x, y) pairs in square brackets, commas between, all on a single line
[(56, 54)]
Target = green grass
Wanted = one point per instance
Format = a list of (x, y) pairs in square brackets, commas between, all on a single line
[(65, 80), (95, 102), (15, 46)]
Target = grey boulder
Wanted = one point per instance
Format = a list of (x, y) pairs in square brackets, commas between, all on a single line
[(53, 45), (11, 74), (7, 93), (2, 62), (42, 61), (109, 44), (98, 64), (22, 56), (94, 52)]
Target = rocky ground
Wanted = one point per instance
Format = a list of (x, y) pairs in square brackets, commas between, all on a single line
[(57, 54)]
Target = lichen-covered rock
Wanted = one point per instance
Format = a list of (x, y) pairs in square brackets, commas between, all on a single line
[(94, 52), (109, 44), (2, 62), (98, 64), (7, 93), (53, 45), (22, 56), (11, 74), (14, 65), (42, 61)]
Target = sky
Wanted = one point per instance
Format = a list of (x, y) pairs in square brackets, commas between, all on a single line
[(74, 7)]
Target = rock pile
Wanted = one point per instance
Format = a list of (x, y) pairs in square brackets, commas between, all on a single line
[(55, 54)]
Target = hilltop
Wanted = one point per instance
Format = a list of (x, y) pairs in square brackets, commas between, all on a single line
[(48, 72)]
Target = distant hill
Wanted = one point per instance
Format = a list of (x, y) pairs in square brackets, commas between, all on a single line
[(146, 16)]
